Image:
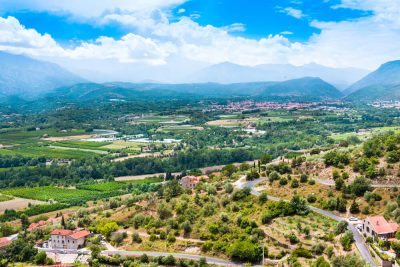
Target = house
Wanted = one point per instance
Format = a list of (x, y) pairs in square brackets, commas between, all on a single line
[(5, 242), (190, 181), (378, 227), (43, 224), (68, 239)]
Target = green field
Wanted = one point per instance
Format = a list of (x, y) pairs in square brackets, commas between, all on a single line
[(83, 145), (47, 193), (21, 136), (115, 186), (5, 198), (46, 151)]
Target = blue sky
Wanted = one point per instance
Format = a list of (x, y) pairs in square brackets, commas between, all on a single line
[(168, 39), (259, 18)]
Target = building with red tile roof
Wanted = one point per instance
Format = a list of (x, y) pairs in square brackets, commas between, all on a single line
[(5, 242), (68, 239), (378, 227)]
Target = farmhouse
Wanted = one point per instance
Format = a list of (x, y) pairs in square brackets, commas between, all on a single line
[(190, 181), (5, 242), (378, 227), (67, 239)]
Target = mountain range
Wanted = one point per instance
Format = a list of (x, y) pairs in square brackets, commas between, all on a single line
[(232, 73), (26, 77), (21, 75), (308, 88)]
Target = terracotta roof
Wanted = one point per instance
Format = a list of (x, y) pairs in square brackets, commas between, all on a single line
[(80, 234), (381, 226), (4, 241), (62, 232)]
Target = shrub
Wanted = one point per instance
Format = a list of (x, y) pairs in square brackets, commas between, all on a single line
[(311, 198), (295, 183)]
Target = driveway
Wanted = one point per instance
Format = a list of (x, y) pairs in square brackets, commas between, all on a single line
[(359, 241)]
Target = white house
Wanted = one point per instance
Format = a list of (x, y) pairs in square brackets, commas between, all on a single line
[(68, 239), (378, 227)]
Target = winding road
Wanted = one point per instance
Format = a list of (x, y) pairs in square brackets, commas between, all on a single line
[(362, 247), (210, 260)]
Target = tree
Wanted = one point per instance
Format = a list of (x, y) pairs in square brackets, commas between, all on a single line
[(245, 251), (294, 184), (320, 262), (396, 248), (348, 261), (24, 221), (339, 183), (359, 186), (341, 227), (262, 198), (347, 240), (299, 205), (354, 208), (303, 178), (266, 159), (106, 228), (273, 176)]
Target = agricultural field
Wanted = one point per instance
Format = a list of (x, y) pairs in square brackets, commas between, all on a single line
[(40, 150), (22, 136), (48, 193), (17, 203), (115, 186), (162, 119)]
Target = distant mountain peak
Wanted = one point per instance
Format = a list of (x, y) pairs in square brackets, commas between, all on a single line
[(22, 75), (227, 72), (387, 74)]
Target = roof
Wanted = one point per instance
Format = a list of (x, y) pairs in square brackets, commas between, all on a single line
[(4, 241), (62, 232), (80, 234), (381, 226)]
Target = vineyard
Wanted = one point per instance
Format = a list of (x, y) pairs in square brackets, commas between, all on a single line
[(114, 186)]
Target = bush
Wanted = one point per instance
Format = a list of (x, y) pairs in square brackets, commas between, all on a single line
[(136, 238), (245, 251), (283, 181), (303, 178), (293, 239), (262, 198), (341, 227), (311, 198), (294, 184), (347, 240)]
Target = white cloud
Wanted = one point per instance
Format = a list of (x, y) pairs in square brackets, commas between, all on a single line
[(89, 8), (15, 38), (235, 27), (290, 11), (365, 42), (131, 48), (181, 10)]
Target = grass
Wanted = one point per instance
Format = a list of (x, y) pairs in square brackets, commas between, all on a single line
[(47, 193), (21, 136), (5, 198), (115, 186), (83, 145), (45, 151)]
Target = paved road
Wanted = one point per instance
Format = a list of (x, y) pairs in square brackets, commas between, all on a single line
[(204, 170), (210, 260), (365, 253), (332, 183)]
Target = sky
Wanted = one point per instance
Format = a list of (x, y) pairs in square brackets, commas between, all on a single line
[(168, 39)]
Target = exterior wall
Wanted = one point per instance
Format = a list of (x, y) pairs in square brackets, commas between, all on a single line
[(369, 232), (66, 242), (187, 182)]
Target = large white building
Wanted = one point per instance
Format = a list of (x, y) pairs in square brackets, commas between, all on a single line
[(68, 239)]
